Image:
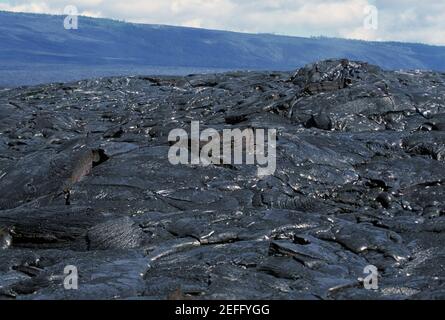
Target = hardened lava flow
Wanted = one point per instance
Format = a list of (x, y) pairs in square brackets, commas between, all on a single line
[(85, 181)]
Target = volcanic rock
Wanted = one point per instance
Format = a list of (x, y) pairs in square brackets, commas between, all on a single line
[(85, 181)]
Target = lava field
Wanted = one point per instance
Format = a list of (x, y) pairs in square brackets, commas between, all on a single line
[(85, 181)]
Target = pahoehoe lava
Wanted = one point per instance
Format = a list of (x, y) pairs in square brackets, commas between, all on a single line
[(85, 181)]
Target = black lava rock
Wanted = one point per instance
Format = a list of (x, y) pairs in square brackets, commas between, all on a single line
[(85, 181)]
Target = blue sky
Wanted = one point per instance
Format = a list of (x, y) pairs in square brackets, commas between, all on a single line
[(399, 20)]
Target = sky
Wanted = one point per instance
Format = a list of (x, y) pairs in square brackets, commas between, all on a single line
[(378, 20)]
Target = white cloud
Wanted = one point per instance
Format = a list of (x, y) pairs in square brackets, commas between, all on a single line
[(399, 20)]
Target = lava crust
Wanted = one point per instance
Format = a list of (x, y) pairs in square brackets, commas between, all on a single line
[(85, 181)]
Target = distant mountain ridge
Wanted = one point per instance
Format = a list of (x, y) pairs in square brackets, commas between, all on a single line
[(36, 48)]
